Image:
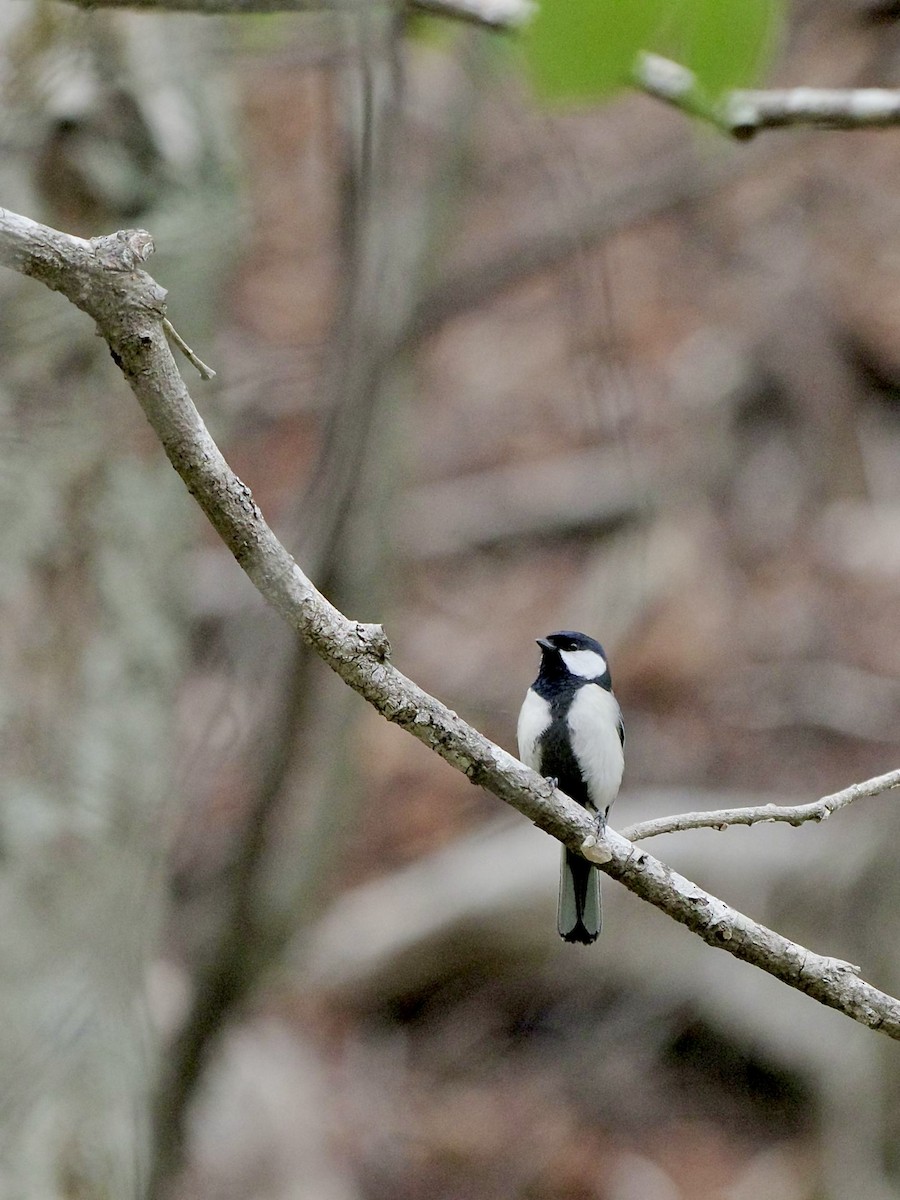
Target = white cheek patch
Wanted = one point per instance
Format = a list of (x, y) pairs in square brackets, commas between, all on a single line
[(588, 664), (533, 720)]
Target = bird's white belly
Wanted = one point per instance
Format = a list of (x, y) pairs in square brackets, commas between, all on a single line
[(593, 720)]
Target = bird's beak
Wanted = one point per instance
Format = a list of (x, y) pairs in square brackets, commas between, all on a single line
[(545, 645)]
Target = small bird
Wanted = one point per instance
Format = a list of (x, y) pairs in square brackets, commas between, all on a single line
[(570, 731)]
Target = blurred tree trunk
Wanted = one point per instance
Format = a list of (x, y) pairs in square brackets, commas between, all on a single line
[(102, 127)]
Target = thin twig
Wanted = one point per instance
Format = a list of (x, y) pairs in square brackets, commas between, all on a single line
[(202, 369), (676, 85), (128, 308), (743, 112), (792, 814)]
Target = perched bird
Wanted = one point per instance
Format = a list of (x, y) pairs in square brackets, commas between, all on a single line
[(570, 730)]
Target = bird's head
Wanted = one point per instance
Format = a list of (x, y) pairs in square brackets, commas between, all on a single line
[(576, 654)]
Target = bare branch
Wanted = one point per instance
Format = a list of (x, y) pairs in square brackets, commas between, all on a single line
[(128, 307), (826, 108), (792, 814), (493, 14), (743, 112)]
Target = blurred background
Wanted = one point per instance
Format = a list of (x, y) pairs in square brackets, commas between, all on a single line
[(490, 370)]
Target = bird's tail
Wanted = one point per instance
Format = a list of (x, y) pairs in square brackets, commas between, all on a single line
[(578, 916)]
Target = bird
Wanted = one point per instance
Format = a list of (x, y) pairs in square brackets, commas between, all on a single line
[(570, 731)]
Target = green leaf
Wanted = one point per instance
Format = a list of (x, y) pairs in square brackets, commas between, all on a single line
[(727, 43), (585, 49)]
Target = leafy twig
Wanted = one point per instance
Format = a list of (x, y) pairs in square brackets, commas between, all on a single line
[(743, 112)]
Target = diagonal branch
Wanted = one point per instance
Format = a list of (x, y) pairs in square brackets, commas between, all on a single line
[(743, 112), (792, 814), (100, 278)]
